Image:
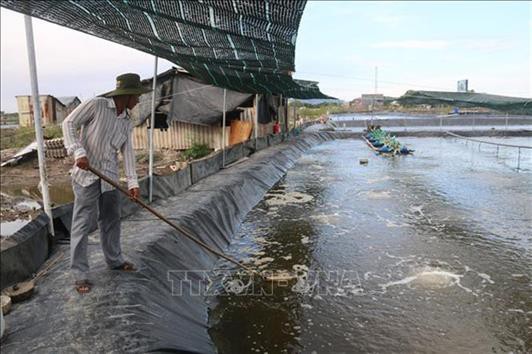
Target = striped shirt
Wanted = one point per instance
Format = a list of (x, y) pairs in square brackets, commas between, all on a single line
[(102, 135)]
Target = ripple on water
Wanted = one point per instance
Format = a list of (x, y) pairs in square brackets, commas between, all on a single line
[(446, 288)]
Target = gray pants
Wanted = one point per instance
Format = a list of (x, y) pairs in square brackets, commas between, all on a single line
[(86, 201)]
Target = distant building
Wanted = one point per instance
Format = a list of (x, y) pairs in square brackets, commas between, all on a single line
[(70, 102), (53, 110), (372, 100), (368, 102), (8, 118), (462, 86), (355, 103)]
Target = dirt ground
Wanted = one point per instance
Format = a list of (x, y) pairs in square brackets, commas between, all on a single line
[(20, 197), (27, 172), (23, 179), (14, 208)]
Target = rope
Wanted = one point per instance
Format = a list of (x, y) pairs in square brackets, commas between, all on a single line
[(48, 266)]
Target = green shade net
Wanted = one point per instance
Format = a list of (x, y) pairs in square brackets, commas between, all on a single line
[(243, 45), (515, 105)]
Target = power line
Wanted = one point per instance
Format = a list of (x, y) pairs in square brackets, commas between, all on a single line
[(372, 79)]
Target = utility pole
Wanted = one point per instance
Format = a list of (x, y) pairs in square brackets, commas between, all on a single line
[(374, 95), (376, 75)]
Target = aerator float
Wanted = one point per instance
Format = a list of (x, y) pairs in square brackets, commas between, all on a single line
[(383, 143)]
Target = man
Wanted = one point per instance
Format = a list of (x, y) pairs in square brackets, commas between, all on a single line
[(105, 129)]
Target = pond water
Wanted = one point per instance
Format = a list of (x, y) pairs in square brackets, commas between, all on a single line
[(60, 193), (422, 253)]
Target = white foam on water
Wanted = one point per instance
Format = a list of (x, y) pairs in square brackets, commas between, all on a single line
[(417, 209), (515, 310), (328, 179), (305, 240), (392, 256), (403, 281), (300, 268), (261, 240), (390, 223), (377, 194), (354, 289), (486, 277), (261, 261), (378, 180), (436, 278), (289, 198), (419, 214), (431, 278), (519, 275), (330, 219)]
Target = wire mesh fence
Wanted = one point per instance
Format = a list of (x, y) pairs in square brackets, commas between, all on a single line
[(500, 150)]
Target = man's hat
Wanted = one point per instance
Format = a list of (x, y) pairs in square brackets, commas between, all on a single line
[(128, 84)]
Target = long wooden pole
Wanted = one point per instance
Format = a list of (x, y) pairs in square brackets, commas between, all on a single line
[(179, 228)]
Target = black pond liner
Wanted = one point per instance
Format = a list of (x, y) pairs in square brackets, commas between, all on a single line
[(136, 312), (26, 250)]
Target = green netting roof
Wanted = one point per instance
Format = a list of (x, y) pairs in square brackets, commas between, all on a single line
[(244, 45), (514, 105)]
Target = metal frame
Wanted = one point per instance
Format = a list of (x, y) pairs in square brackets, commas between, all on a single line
[(480, 142), (150, 136), (223, 129), (256, 120)]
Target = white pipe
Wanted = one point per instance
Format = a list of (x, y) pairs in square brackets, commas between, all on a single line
[(223, 129), (280, 109), (506, 124), (256, 120), (295, 115), (376, 82), (37, 121), (152, 123)]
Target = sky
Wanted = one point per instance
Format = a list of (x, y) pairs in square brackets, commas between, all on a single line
[(414, 45)]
